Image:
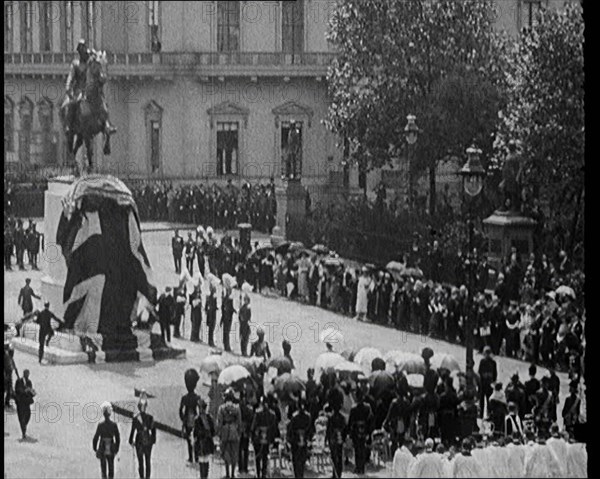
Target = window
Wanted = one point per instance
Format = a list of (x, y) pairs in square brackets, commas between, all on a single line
[(227, 147), (26, 9), (45, 27), (532, 7), (9, 125), (292, 29), (154, 145), (8, 26), (153, 26), (88, 23), (67, 40), (228, 26), (26, 121), (153, 114)]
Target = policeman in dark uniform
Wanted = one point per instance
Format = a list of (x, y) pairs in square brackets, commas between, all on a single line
[(33, 246), (144, 430), (299, 432), (20, 243), (106, 442), (190, 253), (196, 315), (9, 246), (177, 248), (336, 437), (359, 426), (227, 311), (488, 372), (263, 431), (211, 314), (44, 319)]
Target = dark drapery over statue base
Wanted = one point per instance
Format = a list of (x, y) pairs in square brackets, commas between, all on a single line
[(291, 207)]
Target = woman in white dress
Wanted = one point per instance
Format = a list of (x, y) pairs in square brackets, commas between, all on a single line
[(362, 298)]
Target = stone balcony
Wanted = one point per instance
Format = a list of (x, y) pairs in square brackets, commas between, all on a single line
[(167, 65)]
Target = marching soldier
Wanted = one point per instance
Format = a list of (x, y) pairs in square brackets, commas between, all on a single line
[(298, 435), (211, 313), (106, 442), (196, 315), (144, 430), (359, 426), (263, 430), (190, 253), (336, 437), (177, 249)]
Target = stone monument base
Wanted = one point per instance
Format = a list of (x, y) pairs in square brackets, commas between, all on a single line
[(291, 205)]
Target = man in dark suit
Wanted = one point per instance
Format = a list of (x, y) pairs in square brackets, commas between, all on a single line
[(44, 319), (166, 312), (359, 426), (299, 432), (144, 430), (25, 296), (20, 243), (488, 372), (531, 387), (106, 442), (196, 315), (24, 394), (190, 253), (177, 248), (336, 437), (33, 240)]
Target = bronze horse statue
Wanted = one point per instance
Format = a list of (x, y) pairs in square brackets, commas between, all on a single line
[(91, 112)]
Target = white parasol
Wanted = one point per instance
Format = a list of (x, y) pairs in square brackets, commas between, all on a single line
[(365, 357)]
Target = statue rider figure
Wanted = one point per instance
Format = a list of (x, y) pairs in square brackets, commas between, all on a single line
[(75, 86), (294, 146)]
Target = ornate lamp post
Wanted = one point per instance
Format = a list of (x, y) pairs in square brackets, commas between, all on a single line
[(411, 133), (472, 174)]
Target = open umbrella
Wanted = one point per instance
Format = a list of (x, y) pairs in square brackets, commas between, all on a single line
[(410, 363), (261, 252), (232, 374), (332, 262), (283, 247), (381, 381), (288, 384), (396, 269), (328, 361), (296, 246), (282, 364), (215, 363), (445, 361), (365, 357), (566, 291), (331, 336), (320, 249), (348, 367), (415, 380), (413, 273)]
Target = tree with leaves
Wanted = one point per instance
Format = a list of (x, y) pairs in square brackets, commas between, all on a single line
[(544, 115), (442, 61)]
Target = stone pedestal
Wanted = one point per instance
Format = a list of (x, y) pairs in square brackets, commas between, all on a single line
[(291, 205), (506, 229), (55, 266)]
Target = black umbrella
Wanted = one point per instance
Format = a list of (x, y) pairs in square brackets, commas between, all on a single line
[(261, 253), (283, 247)]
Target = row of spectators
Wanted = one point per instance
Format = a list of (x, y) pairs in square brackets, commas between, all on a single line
[(222, 207)]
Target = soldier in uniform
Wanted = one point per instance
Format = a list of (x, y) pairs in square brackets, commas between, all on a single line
[(336, 437), (299, 432), (9, 246), (359, 426), (190, 253), (245, 316), (247, 418), (177, 248), (488, 372), (75, 85), (263, 431), (20, 243), (144, 430), (211, 313), (25, 296), (106, 442), (33, 246), (196, 315), (188, 410), (227, 311)]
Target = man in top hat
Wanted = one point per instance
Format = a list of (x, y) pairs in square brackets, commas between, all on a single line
[(177, 249), (33, 239), (245, 316), (106, 442), (24, 394), (488, 374), (196, 315), (44, 319), (166, 313), (190, 253), (211, 312)]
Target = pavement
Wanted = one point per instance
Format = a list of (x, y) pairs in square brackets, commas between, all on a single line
[(66, 410)]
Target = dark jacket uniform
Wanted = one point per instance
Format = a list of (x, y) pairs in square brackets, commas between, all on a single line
[(143, 431), (226, 319), (177, 248), (25, 300), (359, 426), (336, 436), (188, 410), (196, 315), (204, 432), (211, 317), (299, 432)]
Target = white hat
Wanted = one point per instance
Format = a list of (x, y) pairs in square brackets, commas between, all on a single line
[(106, 408)]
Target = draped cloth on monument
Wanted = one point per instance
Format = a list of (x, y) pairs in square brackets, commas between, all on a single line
[(108, 271)]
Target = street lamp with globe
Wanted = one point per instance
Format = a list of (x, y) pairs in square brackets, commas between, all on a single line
[(472, 174), (411, 133)]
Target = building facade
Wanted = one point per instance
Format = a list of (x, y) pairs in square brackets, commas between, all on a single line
[(197, 90)]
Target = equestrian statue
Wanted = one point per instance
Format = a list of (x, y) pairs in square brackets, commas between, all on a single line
[(84, 112)]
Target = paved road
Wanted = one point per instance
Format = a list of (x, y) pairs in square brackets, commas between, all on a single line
[(64, 431)]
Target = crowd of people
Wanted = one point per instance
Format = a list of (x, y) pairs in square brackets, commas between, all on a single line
[(223, 207), (19, 240)]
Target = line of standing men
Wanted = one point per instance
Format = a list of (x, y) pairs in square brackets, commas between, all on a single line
[(18, 240)]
